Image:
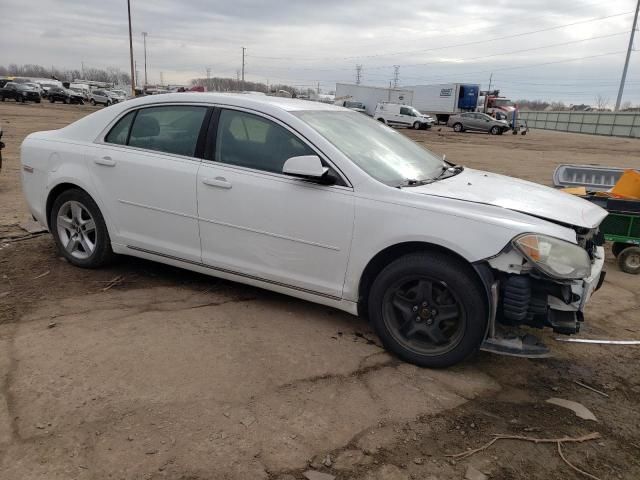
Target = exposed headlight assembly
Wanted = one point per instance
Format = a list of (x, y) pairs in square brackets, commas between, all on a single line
[(557, 258)]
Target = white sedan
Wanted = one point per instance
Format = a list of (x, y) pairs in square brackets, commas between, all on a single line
[(325, 204)]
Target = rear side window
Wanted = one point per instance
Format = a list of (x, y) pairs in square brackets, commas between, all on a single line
[(172, 129), (120, 132)]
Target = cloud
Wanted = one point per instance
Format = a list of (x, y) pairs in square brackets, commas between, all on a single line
[(303, 42)]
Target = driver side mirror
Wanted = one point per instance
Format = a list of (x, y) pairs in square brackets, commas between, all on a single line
[(308, 167)]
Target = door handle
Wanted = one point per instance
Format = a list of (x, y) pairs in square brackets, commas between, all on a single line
[(106, 161), (219, 182)]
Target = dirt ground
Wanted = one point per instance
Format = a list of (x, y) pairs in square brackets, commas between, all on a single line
[(167, 374)]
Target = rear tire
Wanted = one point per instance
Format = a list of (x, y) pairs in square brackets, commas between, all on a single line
[(382, 120), (428, 309), (51, 100), (92, 102), (79, 230), (629, 260), (457, 127)]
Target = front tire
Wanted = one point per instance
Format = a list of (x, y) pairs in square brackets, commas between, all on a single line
[(79, 230), (495, 131), (417, 126), (428, 309)]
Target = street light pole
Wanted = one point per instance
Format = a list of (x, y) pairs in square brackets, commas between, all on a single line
[(144, 39), (243, 50), (626, 62), (133, 79)]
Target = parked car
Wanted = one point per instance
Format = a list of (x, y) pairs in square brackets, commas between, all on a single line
[(20, 92), (65, 95), (321, 203), (46, 85), (121, 95), (351, 105), (113, 96), (100, 97), (37, 87), (81, 88), (479, 122), (397, 115)]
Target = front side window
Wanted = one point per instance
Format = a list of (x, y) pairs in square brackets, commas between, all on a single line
[(406, 111), (251, 141)]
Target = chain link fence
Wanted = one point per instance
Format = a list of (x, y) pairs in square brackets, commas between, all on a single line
[(594, 123)]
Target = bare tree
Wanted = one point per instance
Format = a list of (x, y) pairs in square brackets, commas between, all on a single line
[(601, 102), (626, 105), (110, 74)]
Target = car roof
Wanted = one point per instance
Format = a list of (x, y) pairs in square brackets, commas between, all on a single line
[(238, 100)]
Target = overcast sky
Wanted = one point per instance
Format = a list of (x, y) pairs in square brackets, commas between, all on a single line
[(302, 42)]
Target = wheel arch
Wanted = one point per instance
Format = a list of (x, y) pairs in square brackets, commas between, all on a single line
[(379, 261), (65, 185)]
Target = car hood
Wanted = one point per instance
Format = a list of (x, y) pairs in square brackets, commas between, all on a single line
[(518, 195)]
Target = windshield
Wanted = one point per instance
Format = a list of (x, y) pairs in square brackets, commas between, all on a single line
[(502, 102), (385, 154)]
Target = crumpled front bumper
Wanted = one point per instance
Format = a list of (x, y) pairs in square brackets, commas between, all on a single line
[(583, 289)]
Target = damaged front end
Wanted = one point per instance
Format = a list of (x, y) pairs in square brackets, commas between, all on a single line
[(540, 281)]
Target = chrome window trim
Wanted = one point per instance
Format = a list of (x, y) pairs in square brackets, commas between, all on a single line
[(100, 139)]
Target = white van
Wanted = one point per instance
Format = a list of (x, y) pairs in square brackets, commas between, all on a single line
[(397, 115)]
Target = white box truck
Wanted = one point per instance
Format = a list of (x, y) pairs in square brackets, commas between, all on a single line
[(371, 96), (445, 99)]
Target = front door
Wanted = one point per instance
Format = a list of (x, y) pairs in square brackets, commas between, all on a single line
[(257, 222), (145, 172)]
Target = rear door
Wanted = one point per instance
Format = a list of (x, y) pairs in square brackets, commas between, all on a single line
[(145, 171)]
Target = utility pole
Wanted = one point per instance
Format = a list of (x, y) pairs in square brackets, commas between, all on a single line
[(208, 79), (318, 89), (486, 97), (396, 75), (133, 80), (626, 62), (243, 50), (82, 68), (358, 74), (161, 79), (144, 39)]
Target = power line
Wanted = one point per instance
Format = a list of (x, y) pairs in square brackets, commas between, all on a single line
[(464, 44), (481, 57)]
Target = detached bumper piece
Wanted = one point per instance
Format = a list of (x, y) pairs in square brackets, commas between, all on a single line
[(514, 345)]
